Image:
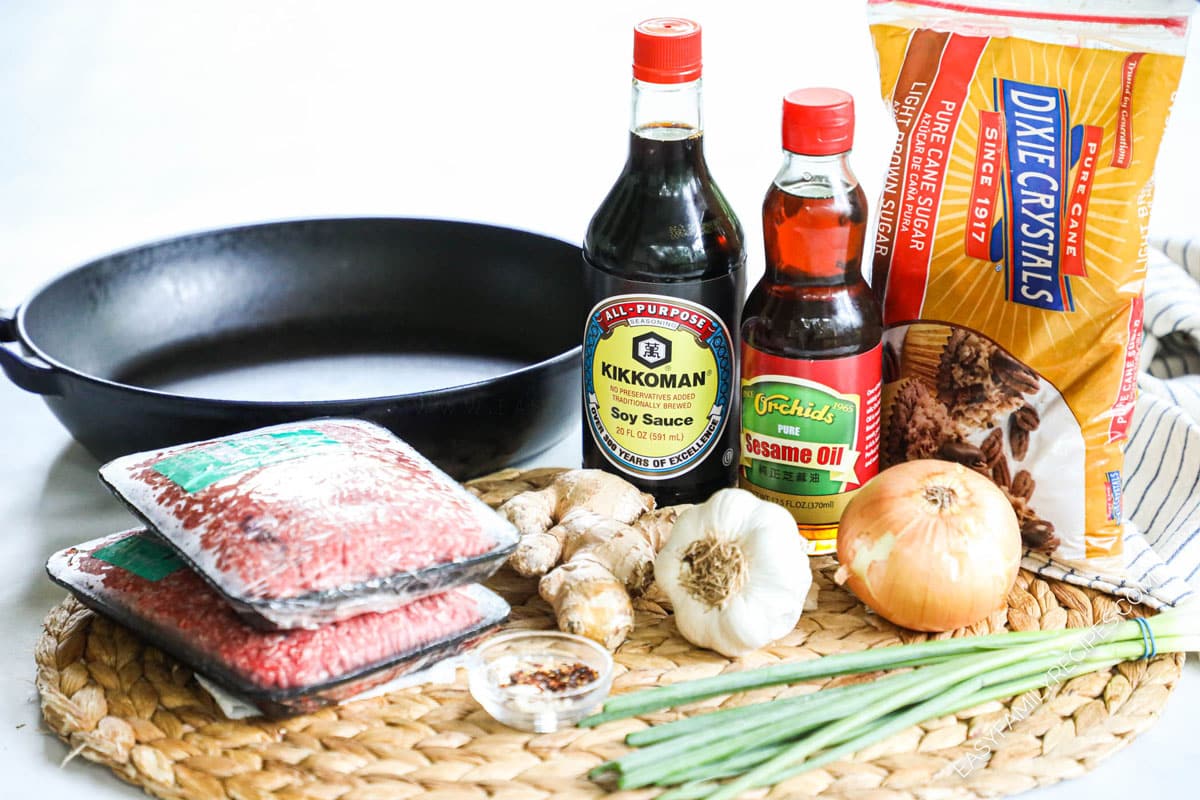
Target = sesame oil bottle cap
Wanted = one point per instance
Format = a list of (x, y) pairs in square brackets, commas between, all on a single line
[(818, 122)]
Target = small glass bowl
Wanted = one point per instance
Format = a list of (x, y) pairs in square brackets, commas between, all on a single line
[(529, 708)]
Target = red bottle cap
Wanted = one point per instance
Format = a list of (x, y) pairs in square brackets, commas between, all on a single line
[(818, 122), (666, 50)]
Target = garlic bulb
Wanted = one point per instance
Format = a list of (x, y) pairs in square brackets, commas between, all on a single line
[(736, 571)]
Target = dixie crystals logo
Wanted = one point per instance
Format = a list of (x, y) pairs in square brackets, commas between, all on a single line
[(1026, 153), (1035, 121)]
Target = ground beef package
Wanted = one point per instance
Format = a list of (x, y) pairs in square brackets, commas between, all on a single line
[(137, 581), (1011, 244), (302, 524)]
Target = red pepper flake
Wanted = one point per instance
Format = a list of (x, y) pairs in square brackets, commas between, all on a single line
[(557, 679)]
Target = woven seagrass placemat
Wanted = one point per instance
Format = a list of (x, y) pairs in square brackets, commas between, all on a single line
[(118, 702)]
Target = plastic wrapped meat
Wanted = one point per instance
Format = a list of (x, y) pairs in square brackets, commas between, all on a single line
[(302, 524), (137, 581)]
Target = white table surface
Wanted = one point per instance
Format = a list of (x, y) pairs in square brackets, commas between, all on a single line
[(125, 122)]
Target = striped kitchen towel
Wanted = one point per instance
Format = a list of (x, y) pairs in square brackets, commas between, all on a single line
[(1162, 458)]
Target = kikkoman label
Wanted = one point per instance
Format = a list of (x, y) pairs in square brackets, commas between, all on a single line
[(810, 434), (658, 375)]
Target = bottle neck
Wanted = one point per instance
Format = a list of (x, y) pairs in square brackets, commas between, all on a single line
[(816, 177), (814, 221), (666, 111), (666, 128)]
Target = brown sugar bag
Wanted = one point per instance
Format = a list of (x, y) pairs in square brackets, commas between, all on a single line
[(1011, 243)]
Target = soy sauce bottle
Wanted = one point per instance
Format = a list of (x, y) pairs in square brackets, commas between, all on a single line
[(811, 330), (664, 265)]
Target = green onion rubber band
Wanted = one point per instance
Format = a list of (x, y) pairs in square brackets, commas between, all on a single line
[(1151, 647)]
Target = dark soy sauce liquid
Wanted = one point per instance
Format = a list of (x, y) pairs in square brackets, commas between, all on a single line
[(664, 220), (665, 228)]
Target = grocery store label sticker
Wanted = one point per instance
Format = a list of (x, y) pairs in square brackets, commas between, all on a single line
[(201, 467), (143, 557)]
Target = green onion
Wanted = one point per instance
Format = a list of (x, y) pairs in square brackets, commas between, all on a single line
[(763, 743), (724, 768), (867, 735), (773, 722), (701, 722), (699, 786), (894, 724), (881, 658), (701, 749)]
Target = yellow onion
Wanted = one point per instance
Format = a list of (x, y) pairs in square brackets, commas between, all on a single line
[(929, 545)]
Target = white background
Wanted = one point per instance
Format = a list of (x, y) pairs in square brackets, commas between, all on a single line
[(123, 122)]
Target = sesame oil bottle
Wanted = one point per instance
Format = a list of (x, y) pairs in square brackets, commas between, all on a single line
[(811, 329)]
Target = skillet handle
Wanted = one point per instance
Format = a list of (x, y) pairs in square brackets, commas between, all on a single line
[(28, 372)]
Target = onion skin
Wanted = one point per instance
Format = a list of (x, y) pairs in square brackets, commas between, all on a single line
[(929, 545)]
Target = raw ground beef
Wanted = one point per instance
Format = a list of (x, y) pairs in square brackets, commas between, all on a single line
[(175, 609), (340, 507)]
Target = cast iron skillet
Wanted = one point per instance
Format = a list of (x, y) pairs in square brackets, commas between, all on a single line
[(109, 344)]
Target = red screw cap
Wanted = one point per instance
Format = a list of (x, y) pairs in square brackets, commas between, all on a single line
[(818, 122), (666, 50)]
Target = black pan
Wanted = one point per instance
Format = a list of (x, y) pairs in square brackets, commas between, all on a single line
[(235, 329)]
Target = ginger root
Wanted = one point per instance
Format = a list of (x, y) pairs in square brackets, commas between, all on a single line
[(606, 563), (497, 488), (657, 524), (538, 515)]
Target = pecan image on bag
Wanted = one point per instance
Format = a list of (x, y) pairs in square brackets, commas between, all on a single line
[(970, 375), (960, 395)]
